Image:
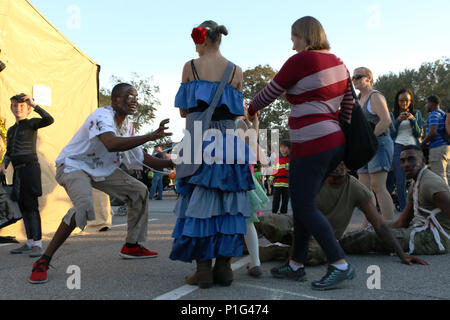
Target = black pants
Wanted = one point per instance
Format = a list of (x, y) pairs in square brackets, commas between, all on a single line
[(27, 185), (280, 193), (306, 178), (32, 222)]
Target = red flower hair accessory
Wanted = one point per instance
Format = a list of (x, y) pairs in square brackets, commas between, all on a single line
[(199, 35)]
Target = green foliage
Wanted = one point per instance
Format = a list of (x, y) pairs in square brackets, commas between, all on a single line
[(105, 98), (432, 78), (276, 115), (145, 113)]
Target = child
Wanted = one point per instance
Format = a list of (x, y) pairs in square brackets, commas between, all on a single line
[(21, 151), (258, 200), (280, 179)]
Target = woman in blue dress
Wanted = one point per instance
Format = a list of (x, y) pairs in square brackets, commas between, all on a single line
[(213, 203)]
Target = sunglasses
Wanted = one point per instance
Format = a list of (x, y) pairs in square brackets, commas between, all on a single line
[(358, 77), (132, 98)]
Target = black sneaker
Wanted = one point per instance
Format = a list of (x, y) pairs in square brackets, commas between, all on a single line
[(286, 272), (334, 278)]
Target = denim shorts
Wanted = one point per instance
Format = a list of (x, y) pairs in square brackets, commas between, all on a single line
[(382, 161)]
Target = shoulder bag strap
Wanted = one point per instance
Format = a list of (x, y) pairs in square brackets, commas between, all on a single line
[(219, 91)]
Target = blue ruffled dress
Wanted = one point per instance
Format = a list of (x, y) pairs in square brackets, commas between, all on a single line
[(214, 204)]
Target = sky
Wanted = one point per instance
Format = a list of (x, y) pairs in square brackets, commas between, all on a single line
[(152, 37)]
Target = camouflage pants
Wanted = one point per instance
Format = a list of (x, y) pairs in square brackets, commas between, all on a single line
[(362, 242), (278, 228), (316, 256)]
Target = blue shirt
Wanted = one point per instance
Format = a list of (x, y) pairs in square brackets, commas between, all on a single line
[(437, 118)]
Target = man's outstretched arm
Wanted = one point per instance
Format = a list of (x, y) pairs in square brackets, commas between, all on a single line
[(114, 143), (157, 163), (384, 233)]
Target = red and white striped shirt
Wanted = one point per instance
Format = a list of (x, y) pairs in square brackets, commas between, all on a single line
[(318, 86)]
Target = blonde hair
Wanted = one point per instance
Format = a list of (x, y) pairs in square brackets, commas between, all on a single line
[(366, 72), (311, 31)]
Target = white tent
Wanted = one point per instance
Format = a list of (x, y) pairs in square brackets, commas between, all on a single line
[(42, 62)]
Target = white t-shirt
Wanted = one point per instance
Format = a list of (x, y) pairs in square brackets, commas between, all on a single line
[(86, 151), (405, 134)]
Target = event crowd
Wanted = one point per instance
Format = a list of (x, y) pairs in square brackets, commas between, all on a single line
[(219, 201)]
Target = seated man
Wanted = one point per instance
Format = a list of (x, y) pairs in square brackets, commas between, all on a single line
[(339, 196), (424, 226)]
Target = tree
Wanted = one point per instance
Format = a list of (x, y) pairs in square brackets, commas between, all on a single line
[(145, 113), (432, 78), (275, 116)]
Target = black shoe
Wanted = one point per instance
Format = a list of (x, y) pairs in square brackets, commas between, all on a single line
[(286, 272), (334, 278)]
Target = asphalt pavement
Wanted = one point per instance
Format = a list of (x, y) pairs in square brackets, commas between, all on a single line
[(88, 267)]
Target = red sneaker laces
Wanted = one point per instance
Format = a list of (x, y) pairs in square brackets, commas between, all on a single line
[(42, 265)]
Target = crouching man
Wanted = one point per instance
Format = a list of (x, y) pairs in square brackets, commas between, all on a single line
[(91, 160)]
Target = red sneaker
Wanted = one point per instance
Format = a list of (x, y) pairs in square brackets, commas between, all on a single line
[(137, 253), (39, 273)]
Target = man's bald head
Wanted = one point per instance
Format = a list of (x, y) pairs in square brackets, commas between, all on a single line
[(120, 90)]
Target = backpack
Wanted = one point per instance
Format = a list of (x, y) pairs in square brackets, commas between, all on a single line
[(9, 210), (445, 134), (362, 144)]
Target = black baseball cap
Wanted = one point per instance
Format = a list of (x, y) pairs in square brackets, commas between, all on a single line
[(18, 97)]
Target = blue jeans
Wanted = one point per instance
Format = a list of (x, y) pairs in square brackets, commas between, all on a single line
[(382, 161), (306, 178), (157, 185), (400, 178)]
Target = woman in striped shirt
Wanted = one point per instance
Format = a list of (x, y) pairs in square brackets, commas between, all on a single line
[(318, 86)]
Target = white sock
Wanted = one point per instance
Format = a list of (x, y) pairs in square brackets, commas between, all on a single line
[(341, 267), (251, 240), (37, 244), (30, 242), (294, 266)]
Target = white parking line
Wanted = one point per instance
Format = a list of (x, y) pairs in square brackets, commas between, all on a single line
[(187, 289), (177, 293), (6, 244), (278, 292)]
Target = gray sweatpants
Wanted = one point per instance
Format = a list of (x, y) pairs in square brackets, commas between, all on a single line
[(120, 185)]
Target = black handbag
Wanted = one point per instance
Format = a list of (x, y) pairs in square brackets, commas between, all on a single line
[(362, 144), (9, 210)]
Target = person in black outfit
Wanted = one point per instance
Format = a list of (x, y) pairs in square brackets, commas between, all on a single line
[(21, 152)]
